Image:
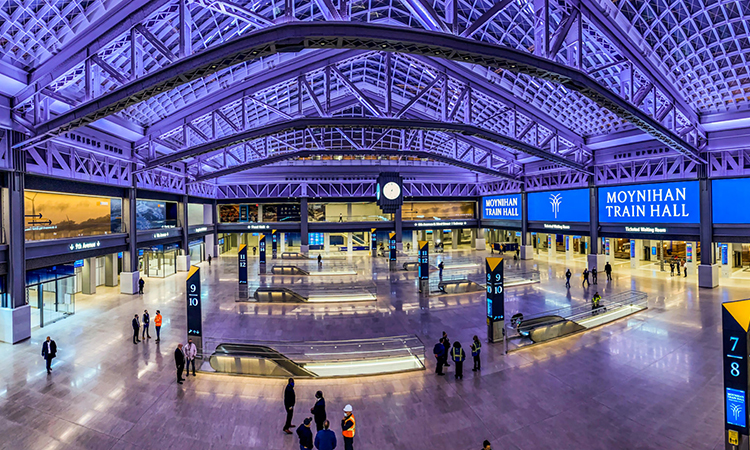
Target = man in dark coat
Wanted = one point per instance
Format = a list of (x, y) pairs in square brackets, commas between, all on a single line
[(289, 400), (305, 435), (179, 361), (136, 327), (319, 410), (49, 351), (439, 351)]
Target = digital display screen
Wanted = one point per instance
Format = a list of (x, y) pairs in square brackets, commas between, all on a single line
[(316, 238), (650, 203), (724, 200), (559, 206), (736, 414)]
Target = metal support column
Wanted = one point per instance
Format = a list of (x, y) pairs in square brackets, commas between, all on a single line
[(708, 272), (130, 275), (527, 250), (596, 260), (183, 259), (397, 225), (304, 246)]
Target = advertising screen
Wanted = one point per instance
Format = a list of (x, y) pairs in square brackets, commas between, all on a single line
[(736, 407), (505, 207), (650, 203), (724, 200), (559, 206)]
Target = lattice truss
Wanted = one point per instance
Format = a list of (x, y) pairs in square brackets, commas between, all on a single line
[(666, 60), (375, 85)]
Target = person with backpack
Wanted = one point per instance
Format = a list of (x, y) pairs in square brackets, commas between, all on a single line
[(476, 348)]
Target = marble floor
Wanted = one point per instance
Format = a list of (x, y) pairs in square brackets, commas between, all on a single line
[(652, 380)]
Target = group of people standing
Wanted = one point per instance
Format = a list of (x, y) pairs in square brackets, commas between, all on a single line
[(680, 263), (443, 350), (325, 438), (141, 326), (585, 275), (183, 356)]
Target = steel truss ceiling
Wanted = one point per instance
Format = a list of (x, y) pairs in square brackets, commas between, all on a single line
[(572, 69)]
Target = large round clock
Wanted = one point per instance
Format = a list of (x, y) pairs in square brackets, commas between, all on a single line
[(391, 190)]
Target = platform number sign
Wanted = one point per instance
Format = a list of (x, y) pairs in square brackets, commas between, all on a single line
[(242, 261), (373, 241), (193, 286), (424, 260), (262, 248), (735, 322), (392, 246), (495, 294), (274, 243)]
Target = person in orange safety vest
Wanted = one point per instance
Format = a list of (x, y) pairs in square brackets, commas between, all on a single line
[(348, 426)]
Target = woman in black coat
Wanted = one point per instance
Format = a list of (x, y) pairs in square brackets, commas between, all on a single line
[(319, 410)]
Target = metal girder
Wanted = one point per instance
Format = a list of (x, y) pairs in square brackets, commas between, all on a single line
[(366, 102), (297, 36), (346, 152), (486, 17), (89, 42), (366, 122)]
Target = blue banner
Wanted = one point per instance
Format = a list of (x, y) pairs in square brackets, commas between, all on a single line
[(506, 207), (559, 206), (724, 200), (650, 203), (736, 414)]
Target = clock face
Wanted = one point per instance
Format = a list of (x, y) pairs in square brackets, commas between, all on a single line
[(391, 190)]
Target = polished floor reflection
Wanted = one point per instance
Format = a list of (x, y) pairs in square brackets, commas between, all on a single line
[(652, 380)]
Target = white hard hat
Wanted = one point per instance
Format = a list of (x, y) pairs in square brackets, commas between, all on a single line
[(348, 408)]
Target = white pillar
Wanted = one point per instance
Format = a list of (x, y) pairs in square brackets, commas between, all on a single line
[(726, 270), (638, 243), (260, 212), (695, 262), (183, 263), (551, 245), (110, 270), (479, 242), (415, 240), (569, 253), (327, 242), (282, 243), (349, 248), (454, 238), (88, 277)]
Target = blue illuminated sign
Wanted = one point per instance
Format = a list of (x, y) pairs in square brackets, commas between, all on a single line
[(724, 198), (78, 263), (724, 254), (559, 206), (650, 203), (736, 414), (632, 248), (507, 207)]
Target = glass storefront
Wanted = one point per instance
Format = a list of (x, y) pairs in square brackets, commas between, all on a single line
[(51, 294), (196, 251), (159, 261)]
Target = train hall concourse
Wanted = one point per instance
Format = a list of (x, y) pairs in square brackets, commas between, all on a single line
[(375, 225)]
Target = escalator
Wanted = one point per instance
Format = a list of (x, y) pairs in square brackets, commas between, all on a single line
[(458, 286), (545, 328), (277, 295), (252, 359), (288, 270), (293, 255)]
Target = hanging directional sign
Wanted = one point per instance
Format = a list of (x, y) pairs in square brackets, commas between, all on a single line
[(193, 284), (373, 241), (735, 319), (392, 246), (274, 243), (242, 260)]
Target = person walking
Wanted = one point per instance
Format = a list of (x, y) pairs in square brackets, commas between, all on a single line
[(439, 351), (408, 247), (671, 268), (447, 345), (458, 356), (146, 322), (141, 283), (325, 439), (191, 351), (608, 271), (305, 435), (476, 349), (319, 410), (341, 217), (585, 277), (678, 267), (254, 249), (157, 324), (684, 268), (209, 260), (49, 351), (441, 266), (179, 361), (320, 260), (593, 275), (348, 425), (567, 278), (289, 400), (518, 253), (136, 328)]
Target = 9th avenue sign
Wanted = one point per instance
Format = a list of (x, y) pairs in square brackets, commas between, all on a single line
[(77, 246)]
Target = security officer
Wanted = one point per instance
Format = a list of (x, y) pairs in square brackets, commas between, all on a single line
[(348, 426), (476, 348), (458, 356)]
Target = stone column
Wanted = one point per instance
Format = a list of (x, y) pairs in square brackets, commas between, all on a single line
[(527, 250), (349, 248), (596, 258), (327, 242), (129, 276), (282, 243), (479, 242), (183, 259), (88, 276), (110, 270), (454, 238), (638, 253)]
